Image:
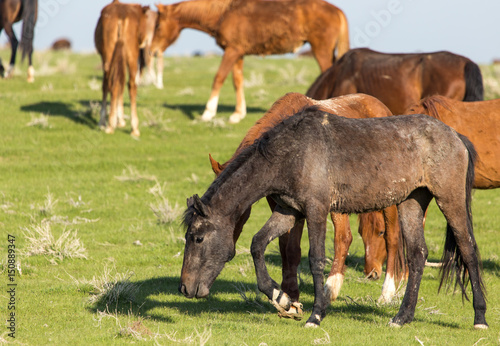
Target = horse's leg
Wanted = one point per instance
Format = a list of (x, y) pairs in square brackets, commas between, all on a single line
[(278, 224), (159, 70), (120, 114), (13, 44), (322, 53), (133, 56), (316, 225), (31, 69), (394, 266), (102, 120), (342, 242), (459, 219), (228, 60), (411, 214), (241, 108)]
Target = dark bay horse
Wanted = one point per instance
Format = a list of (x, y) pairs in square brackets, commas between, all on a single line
[(255, 27), (350, 106), (314, 163), (480, 122), (13, 11), (399, 80), (121, 31)]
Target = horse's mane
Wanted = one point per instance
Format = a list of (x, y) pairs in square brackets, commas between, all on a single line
[(430, 105)]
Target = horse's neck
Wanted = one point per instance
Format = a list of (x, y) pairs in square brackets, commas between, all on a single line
[(203, 15), (243, 187)]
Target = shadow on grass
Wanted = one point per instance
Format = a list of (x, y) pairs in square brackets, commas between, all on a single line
[(189, 110), (162, 292), (61, 109)]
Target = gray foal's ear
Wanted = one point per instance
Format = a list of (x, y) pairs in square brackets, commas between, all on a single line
[(198, 205)]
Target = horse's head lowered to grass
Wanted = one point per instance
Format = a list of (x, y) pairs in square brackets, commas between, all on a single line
[(207, 248)]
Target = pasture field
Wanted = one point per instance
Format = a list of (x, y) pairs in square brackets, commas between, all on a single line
[(99, 245)]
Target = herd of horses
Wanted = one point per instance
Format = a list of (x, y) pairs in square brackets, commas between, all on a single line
[(379, 135)]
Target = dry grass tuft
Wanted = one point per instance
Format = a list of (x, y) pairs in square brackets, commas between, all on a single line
[(41, 241), (165, 213), (131, 174), (42, 121), (109, 288)]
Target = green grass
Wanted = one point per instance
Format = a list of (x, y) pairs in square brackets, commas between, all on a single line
[(58, 168)]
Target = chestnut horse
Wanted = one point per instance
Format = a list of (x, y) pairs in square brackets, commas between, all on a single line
[(351, 106), (13, 11), (121, 31), (480, 122), (254, 27), (314, 163), (399, 80)]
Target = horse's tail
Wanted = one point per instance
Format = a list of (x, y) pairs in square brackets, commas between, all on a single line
[(453, 264), (474, 89), (117, 66), (30, 8), (343, 38)]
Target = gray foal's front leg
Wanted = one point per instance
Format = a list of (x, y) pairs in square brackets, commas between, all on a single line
[(278, 224)]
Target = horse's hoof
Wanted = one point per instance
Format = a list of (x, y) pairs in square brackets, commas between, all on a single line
[(207, 115), (481, 326), (31, 74), (394, 325), (311, 325), (109, 130), (294, 312), (236, 118), (135, 133), (121, 124)]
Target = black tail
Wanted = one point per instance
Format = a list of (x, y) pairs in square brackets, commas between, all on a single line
[(30, 9), (453, 264), (474, 89)]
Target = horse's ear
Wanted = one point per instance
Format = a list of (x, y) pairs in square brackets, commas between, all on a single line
[(216, 167), (159, 7), (198, 205)]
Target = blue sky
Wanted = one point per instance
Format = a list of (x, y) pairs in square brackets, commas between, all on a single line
[(384, 25)]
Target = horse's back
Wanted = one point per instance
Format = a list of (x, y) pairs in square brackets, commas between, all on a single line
[(377, 162), (480, 122)]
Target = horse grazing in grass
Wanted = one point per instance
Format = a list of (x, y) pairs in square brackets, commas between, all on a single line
[(480, 122), (350, 106), (13, 11), (255, 27), (314, 163), (121, 31), (399, 80)]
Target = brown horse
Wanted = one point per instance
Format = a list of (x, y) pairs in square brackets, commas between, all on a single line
[(351, 106), (313, 163), (255, 27), (399, 80), (121, 31), (480, 122), (13, 11)]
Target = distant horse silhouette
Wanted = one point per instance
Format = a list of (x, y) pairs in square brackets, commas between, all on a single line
[(13, 11), (399, 80), (351, 106), (61, 44), (480, 122), (121, 31), (314, 163), (256, 27)]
